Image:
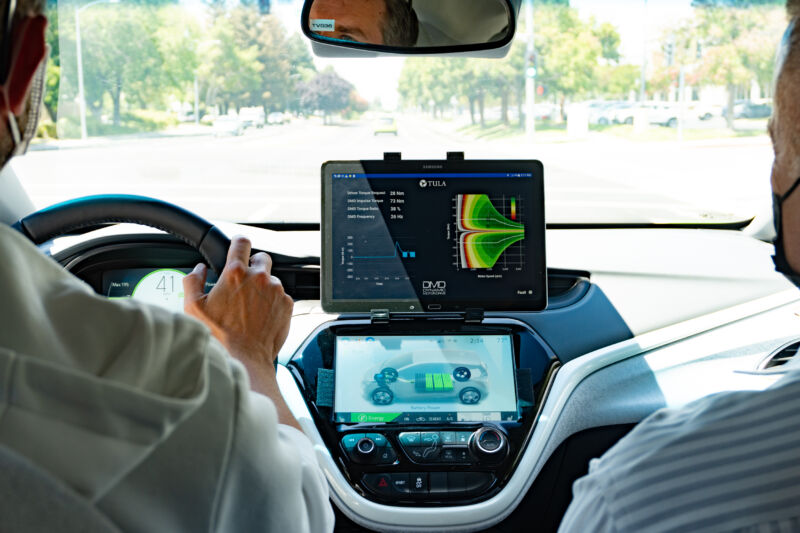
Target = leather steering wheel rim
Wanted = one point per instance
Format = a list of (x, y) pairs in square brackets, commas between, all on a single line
[(89, 211)]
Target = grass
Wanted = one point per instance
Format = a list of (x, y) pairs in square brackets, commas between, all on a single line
[(558, 132), (497, 130), (660, 133)]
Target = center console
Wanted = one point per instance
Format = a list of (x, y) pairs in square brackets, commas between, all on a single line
[(442, 439), (420, 398)]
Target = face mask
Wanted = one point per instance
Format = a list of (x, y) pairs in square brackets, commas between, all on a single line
[(781, 264), (23, 139)]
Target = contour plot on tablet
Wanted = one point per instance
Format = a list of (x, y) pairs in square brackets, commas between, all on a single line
[(484, 234)]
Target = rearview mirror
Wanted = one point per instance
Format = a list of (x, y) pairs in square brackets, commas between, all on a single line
[(411, 26)]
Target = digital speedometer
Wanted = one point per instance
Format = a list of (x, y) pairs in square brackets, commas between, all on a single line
[(162, 287)]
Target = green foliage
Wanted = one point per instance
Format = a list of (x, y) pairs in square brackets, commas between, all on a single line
[(736, 3), (610, 40), (147, 55), (721, 46), (617, 81), (326, 92), (568, 51)]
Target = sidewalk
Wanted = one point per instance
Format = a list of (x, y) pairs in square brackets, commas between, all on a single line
[(183, 130)]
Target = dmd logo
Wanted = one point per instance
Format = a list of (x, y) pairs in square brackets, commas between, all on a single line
[(434, 288)]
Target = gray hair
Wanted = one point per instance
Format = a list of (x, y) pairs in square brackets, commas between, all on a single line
[(793, 8), (400, 27)]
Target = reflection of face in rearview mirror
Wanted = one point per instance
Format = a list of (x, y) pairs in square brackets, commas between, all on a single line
[(386, 22), (406, 24)]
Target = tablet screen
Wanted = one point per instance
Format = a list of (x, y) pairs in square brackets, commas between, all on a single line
[(405, 237)]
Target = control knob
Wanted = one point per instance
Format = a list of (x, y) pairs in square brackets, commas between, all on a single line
[(365, 450), (489, 443)]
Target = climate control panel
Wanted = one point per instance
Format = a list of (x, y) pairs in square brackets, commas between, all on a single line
[(425, 464)]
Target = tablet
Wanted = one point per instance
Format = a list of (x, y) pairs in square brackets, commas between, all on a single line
[(433, 236)]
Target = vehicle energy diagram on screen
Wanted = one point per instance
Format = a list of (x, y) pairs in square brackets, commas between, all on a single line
[(424, 378)]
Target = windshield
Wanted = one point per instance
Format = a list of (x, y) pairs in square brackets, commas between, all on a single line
[(641, 111)]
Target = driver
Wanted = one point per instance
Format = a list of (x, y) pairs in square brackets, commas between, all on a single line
[(158, 421), (387, 22), (728, 462)]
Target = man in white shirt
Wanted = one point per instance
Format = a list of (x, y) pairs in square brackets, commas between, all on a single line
[(146, 416), (728, 462)]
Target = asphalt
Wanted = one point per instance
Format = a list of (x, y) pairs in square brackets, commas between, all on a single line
[(273, 173)]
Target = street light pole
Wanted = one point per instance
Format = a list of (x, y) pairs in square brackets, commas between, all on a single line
[(643, 80), (81, 96), (530, 74)]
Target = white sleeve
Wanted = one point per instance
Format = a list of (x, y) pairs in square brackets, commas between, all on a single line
[(273, 481), (315, 486), (589, 509)]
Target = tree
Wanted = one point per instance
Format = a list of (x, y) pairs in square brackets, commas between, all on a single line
[(617, 81), (231, 73), (326, 92), (737, 47), (610, 40), (568, 52)]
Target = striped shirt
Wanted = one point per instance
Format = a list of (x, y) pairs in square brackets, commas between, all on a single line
[(727, 462)]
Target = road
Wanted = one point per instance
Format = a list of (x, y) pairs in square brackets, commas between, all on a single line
[(274, 173)]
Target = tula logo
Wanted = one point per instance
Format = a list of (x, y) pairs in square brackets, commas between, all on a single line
[(432, 183)]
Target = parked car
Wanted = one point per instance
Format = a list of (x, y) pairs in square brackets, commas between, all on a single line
[(601, 113), (662, 113), (276, 117), (428, 375), (749, 109), (252, 117), (228, 125), (622, 113)]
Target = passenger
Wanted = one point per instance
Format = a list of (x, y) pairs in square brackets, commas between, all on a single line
[(730, 461), (387, 22), (144, 414)]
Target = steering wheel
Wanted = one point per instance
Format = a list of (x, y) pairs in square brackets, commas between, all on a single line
[(88, 211)]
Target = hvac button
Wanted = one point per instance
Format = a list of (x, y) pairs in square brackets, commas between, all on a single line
[(410, 438), (430, 438), (462, 437)]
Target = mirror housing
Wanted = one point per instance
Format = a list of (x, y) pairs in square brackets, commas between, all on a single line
[(361, 28)]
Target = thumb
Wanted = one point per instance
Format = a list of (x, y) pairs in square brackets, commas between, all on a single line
[(193, 284)]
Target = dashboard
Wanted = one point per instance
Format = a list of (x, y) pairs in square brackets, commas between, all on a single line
[(637, 320)]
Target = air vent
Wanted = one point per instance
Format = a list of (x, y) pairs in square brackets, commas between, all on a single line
[(781, 357), (300, 281)]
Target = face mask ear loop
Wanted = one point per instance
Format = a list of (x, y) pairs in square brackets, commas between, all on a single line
[(788, 193)]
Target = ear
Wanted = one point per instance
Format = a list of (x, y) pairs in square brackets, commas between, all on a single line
[(27, 54)]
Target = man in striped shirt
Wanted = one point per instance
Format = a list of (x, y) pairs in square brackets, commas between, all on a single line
[(729, 462)]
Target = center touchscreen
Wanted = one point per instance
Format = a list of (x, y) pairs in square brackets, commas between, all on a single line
[(424, 379), (401, 236)]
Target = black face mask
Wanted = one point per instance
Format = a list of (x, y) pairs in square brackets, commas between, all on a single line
[(781, 264)]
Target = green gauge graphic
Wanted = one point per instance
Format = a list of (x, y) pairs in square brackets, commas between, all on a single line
[(483, 233), (163, 287)]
